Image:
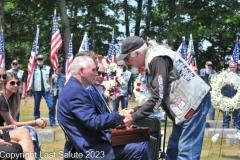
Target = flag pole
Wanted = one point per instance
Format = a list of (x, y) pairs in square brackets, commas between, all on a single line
[(238, 50)]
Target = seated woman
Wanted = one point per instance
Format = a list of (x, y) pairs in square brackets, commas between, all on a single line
[(7, 147), (22, 137), (9, 107)]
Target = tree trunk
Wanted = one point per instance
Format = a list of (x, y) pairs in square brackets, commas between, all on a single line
[(93, 38), (1, 16), (138, 17), (65, 23), (148, 17), (125, 8)]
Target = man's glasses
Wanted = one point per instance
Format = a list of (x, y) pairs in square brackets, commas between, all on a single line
[(12, 83), (3, 76), (209, 65), (101, 73), (120, 65), (196, 70), (15, 64)]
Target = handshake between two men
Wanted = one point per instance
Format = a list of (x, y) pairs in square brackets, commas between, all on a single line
[(127, 115)]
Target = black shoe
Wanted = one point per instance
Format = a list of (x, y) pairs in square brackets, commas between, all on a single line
[(53, 126)]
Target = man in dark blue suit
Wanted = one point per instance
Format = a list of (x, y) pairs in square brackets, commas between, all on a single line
[(95, 92), (78, 115)]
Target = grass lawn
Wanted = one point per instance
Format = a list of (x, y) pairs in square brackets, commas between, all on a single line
[(211, 151)]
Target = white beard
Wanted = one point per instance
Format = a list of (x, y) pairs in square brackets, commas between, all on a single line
[(134, 70), (39, 63), (208, 71)]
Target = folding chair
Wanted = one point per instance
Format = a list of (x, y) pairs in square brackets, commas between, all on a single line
[(155, 135), (75, 148)]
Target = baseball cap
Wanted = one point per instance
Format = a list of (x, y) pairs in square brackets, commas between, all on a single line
[(15, 61), (208, 63), (128, 45), (40, 56), (232, 64)]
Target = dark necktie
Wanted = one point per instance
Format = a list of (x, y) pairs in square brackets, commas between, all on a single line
[(93, 96)]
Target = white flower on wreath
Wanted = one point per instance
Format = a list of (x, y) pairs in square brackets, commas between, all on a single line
[(140, 90), (224, 103)]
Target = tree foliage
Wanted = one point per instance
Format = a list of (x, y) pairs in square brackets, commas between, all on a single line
[(214, 21)]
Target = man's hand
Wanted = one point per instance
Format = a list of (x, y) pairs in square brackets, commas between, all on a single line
[(54, 76), (128, 121), (129, 96), (126, 111)]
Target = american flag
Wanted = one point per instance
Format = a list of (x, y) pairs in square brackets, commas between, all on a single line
[(69, 60), (56, 42), (84, 45), (235, 54), (183, 48), (32, 60), (111, 56), (2, 60), (190, 52)]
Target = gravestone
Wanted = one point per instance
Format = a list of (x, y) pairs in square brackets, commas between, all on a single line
[(231, 139), (214, 123), (220, 131), (46, 135)]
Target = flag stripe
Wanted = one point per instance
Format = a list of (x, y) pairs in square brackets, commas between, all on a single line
[(32, 60), (69, 61), (2, 64), (111, 56), (56, 43)]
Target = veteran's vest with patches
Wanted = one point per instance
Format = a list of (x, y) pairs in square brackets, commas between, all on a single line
[(37, 78), (186, 90)]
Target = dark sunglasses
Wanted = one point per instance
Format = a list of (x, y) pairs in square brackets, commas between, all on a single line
[(3, 76), (15, 64), (12, 83), (120, 65), (40, 59), (101, 73), (209, 65)]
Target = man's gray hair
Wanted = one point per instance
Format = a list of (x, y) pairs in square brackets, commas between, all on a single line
[(121, 61), (142, 49), (79, 62)]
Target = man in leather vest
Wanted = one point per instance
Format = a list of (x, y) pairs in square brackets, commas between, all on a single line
[(42, 84), (206, 74), (20, 74), (175, 86)]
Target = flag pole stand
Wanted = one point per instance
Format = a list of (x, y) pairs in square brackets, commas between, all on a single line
[(162, 153)]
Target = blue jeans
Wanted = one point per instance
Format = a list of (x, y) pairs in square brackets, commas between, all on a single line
[(211, 113), (17, 117), (37, 99), (18, 114), (235, 119), (124, 102), (163, 116), (55, 98), (186, 139)]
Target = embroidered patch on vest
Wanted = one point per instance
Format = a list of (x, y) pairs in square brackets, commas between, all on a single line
[(185, 72), (189, 114), (180, 103)]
